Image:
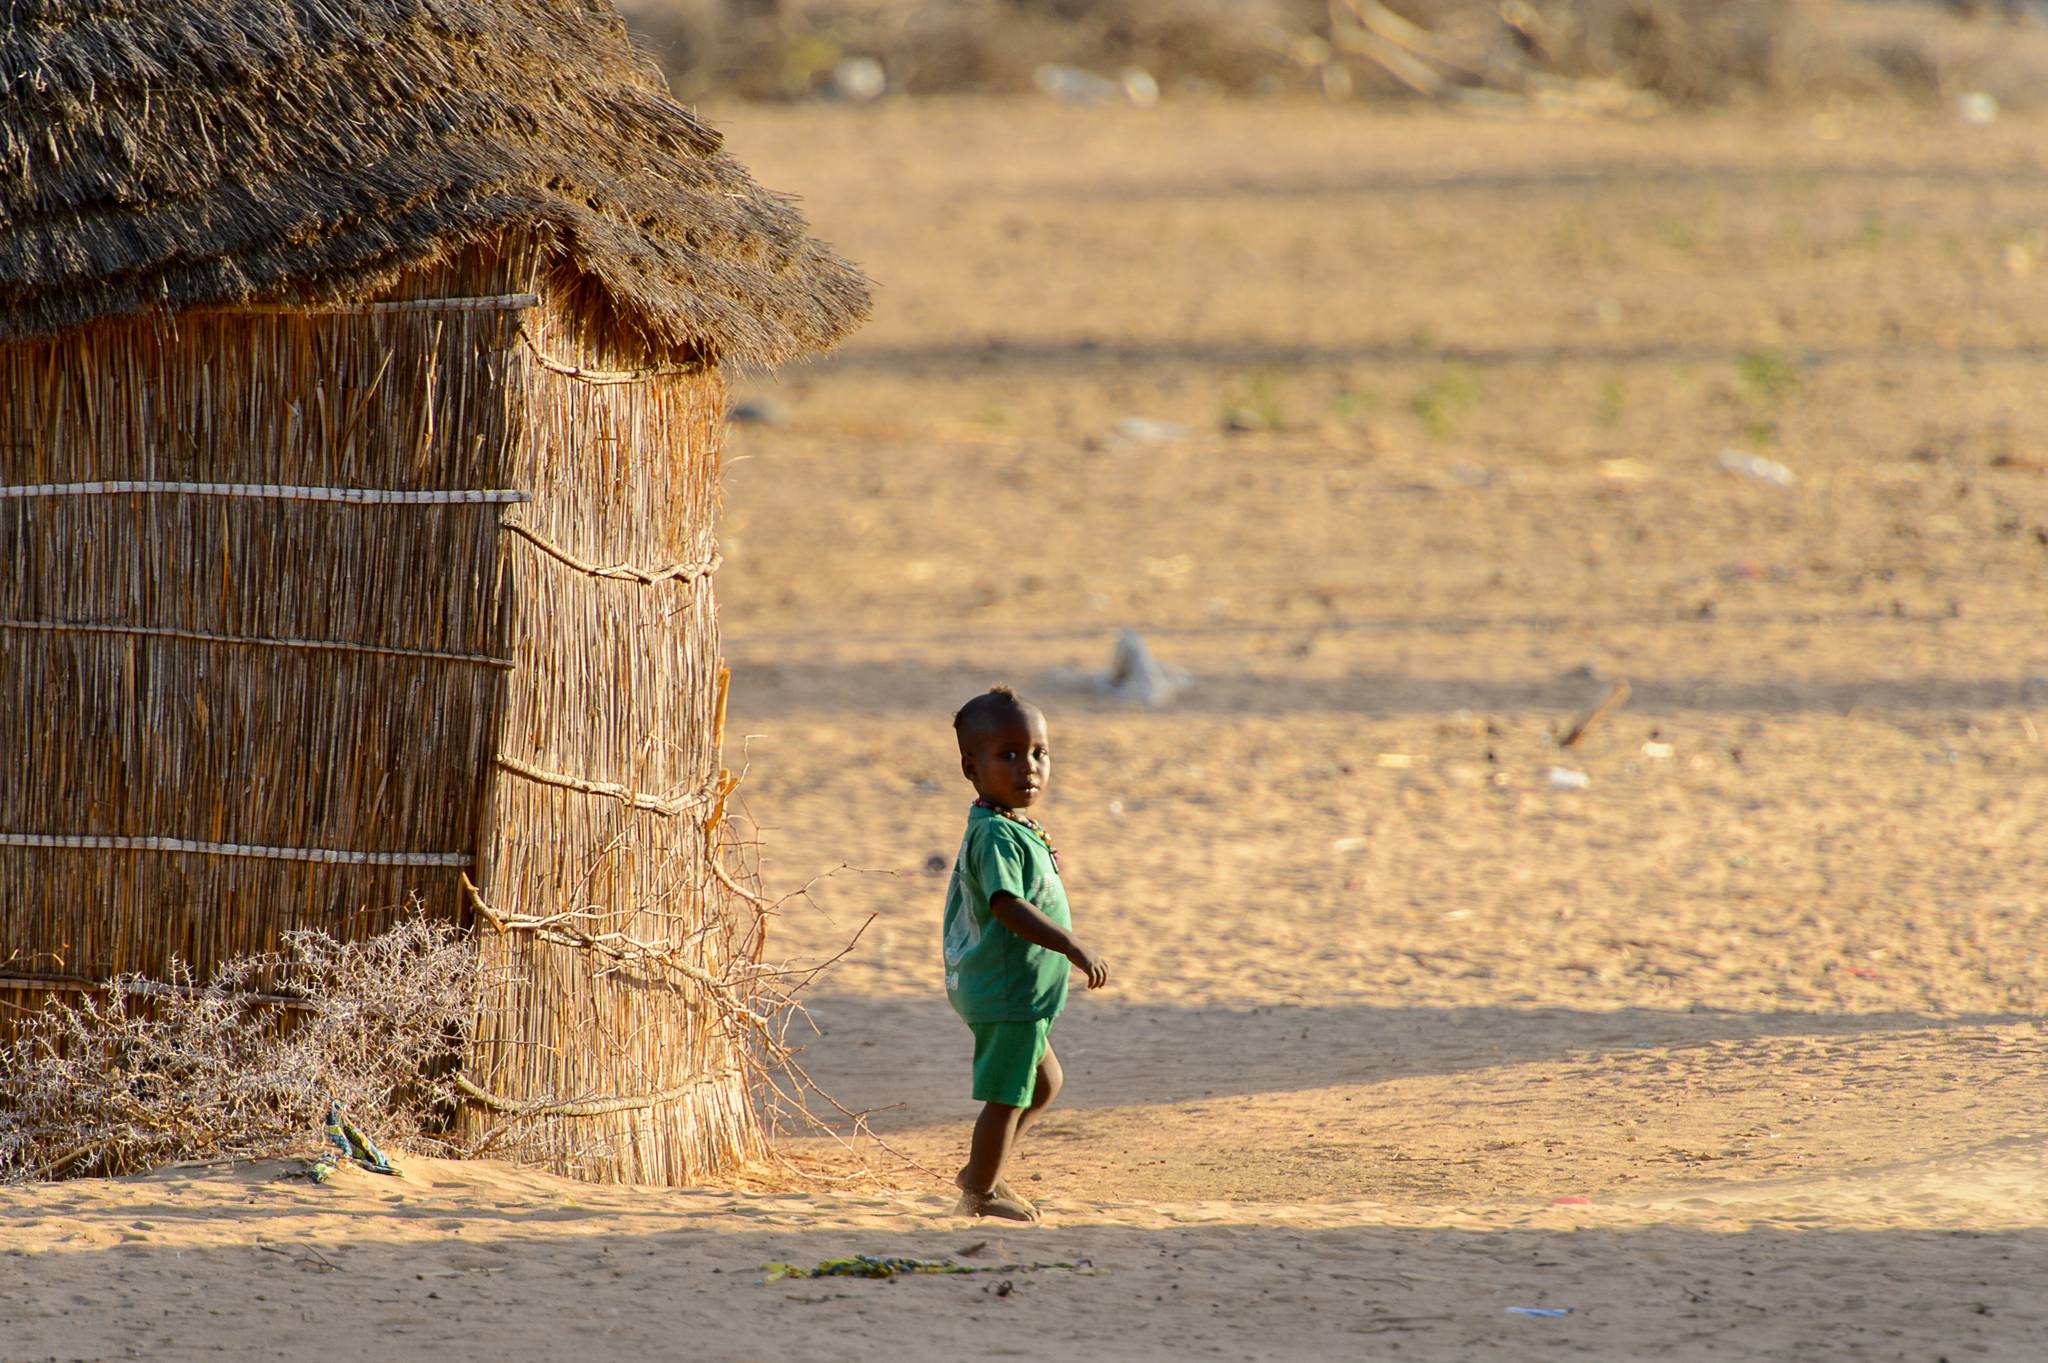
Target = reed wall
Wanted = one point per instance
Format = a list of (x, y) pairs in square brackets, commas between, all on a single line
[(240, 668), (387, 599), (607, 769)]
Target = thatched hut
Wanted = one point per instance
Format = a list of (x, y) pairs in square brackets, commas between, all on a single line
[(361, 384)]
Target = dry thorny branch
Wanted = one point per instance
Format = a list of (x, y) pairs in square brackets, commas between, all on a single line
[(788, 1091), (246, 1063)]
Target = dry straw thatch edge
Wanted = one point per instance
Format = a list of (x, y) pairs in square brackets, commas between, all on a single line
[(280, 154)]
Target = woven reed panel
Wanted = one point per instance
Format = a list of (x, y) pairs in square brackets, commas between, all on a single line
[(190, 726), (615, 685)]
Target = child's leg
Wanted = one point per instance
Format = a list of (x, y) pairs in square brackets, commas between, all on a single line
[(1050, 1078), (1015, 1076), (995, 1131)]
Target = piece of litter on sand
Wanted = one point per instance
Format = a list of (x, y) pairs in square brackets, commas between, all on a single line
[(891, 1266), (1145, 430), (1564, 778), (858, 79), (1573, 1201), (1543, 1312), (1135, 675), (1072, 85), (1756, 466), (355, 1144), (1977, 109)]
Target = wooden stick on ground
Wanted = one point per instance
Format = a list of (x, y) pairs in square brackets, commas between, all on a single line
[(1617, 696)]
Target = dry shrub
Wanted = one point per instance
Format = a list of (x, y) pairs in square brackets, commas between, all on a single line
[(1235, 45), (246, 1064), (789, 50), (1690, 52), (1919, 54), (1687, 53)]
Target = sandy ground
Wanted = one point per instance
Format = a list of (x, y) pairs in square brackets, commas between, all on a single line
[(1736, 1050), (483, 1262)]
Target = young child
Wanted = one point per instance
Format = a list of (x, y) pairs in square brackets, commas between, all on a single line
[(1007, 941)]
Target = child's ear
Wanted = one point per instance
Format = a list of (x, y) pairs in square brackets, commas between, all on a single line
[(967, 765)]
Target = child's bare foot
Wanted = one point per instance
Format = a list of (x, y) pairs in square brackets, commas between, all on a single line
[(1001, 1189), (994, 1203)]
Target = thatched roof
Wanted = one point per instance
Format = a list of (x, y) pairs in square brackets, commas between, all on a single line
[(163, 156)]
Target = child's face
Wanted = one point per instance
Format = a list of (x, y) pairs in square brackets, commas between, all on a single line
[(1009, 761)]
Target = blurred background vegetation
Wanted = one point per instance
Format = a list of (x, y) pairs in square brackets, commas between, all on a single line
[(1603, 55)]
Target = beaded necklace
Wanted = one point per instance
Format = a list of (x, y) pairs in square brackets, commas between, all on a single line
[(1005, 812)]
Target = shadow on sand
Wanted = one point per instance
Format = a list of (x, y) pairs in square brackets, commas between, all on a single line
[(1086, 357), (914, 1052), (780, 688), (1619, 175), (664, 1284)]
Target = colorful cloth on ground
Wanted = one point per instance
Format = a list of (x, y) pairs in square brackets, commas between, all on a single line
[(354, 1143), (887, 1266), (992, 974)]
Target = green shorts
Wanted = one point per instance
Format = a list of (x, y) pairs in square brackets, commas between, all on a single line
[(1006, 1056)]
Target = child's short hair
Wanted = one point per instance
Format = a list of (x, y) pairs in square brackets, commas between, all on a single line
[(997, 703)]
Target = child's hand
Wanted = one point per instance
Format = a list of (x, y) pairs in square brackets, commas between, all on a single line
[(1095, 967)]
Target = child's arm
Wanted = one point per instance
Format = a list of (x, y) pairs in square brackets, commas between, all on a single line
[(1023, 918)]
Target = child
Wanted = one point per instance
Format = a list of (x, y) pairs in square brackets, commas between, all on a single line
[(1007, 942)]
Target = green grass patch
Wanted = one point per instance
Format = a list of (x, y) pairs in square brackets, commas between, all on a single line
[(1767, 377), (1612, 403), (1354, 404), (1254, 401), (1446, 400)]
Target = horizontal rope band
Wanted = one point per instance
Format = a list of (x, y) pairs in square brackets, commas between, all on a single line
[(686, 571), (54, 984), (96, 843), (371, 496), (653, 804), (503, 302), (76, 984), (255, 641)]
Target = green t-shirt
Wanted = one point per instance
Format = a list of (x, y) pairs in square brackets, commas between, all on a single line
[(992, 974)]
